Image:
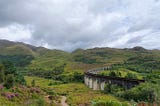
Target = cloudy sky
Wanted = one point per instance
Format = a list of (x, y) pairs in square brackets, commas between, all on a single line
[(71, 24)]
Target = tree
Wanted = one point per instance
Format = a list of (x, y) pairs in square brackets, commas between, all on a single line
[(112, 74), (20, 79), (107, 88), (131, 76), (2, 75), (33, 83), (78, 77), (140, 93), (9, 82), (9, 67)]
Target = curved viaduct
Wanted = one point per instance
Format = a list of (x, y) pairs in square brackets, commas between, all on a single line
[(97, 82)]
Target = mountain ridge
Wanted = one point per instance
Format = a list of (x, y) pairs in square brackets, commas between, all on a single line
[(47, 58)]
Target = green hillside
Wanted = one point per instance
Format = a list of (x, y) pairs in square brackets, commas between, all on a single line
[(84, 59), (48, 59), (56, 73)]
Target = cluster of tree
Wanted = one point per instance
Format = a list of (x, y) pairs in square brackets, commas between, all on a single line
[(112, 88), (138, 93), (119, 74), (18, 60), (89, 56), (50, 74), (142, 64), (115, 74), (131, 76), (9, 75), (57, 74), (74, 77)]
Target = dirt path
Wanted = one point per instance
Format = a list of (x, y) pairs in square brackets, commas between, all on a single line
[(63, 101), (47, 99)]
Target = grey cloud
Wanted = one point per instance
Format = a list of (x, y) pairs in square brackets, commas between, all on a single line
[(75, 24), (135, 40)]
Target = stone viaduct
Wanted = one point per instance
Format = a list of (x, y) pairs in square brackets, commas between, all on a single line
[(97, 82)]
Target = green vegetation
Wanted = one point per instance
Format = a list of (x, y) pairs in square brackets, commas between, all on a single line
[(62, 74), (121, 72), (77, 93), (18, 60), (13, 89), (109, 103), (9, 75), (139, 93)]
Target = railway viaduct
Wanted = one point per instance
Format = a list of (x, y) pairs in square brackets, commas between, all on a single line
[(97, 82)]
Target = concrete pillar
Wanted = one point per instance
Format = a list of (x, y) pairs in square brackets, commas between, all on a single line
[(96, 84), (102, 85), (90, 83), (86, 80)]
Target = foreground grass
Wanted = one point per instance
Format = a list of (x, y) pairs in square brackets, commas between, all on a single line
[(77, 93), (25, 96)]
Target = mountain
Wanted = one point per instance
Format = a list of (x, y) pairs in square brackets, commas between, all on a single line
[(16, 48), (112, 55), (19, 52), (40, 57)]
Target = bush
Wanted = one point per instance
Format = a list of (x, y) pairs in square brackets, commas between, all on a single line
[(9, 81), (20, 79), (131, 76), (9, 67), (33, 83), (2, 75), (112, 74), (40, 102), (109, 103), (113, 88), (9, 75), (139, 93), (78, 77)]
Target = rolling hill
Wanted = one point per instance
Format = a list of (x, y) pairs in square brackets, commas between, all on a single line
[(63, 73), (83, 59)]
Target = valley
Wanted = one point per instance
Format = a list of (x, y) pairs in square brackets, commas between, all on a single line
[(45, 77)]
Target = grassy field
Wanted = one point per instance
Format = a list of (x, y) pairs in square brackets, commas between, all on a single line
[(77, 93)]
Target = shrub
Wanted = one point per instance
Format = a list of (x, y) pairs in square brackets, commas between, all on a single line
[(112, 74), (9, 75), (2, 75), (33, 83), (20, 79), (139, 93), (9, 81), (131, 76), (40, 102), (108, 103), (113, 88), (78, 77)]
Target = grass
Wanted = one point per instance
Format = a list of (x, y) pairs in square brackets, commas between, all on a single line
[(77, 93), (26, 96), (49, 59), (123, 72), (5, 102)]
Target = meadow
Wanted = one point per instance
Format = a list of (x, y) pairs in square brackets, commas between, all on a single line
[(76, 93)]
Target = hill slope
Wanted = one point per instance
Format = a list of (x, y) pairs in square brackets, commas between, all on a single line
[(47, 59)]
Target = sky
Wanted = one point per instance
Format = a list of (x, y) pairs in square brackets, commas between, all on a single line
[(72, 24)]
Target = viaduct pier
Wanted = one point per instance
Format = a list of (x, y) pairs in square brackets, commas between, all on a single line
[(97, 82)]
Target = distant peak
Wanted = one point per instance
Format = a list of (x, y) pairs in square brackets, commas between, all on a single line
[(138, 48)]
